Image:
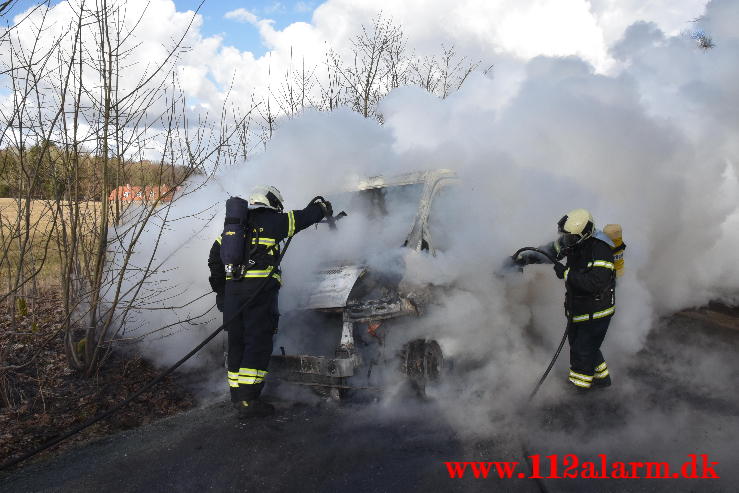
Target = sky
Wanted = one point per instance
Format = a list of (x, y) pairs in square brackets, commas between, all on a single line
[(583, 27), (245, 36), (611, 17), (245, 47), (234, 32)]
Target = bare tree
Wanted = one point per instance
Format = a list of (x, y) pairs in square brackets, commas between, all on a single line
[(441, 75), (296, 90), (77, 111), (380, 62), (86, 113), (376, 59)]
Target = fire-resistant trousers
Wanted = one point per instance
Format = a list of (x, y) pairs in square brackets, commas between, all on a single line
[(587, 366), (250, 334)]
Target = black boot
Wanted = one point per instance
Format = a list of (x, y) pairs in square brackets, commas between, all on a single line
[(254, 409), (577, 390), (601, 383)]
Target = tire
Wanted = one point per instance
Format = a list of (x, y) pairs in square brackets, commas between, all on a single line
[(422, 361)]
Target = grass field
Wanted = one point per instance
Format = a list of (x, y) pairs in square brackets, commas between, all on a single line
[(44, 238)]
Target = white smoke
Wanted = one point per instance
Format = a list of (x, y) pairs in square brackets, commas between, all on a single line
[(652, 147)]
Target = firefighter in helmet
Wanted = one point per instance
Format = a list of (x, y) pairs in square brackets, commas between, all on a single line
[(251, 328), (590, 281)]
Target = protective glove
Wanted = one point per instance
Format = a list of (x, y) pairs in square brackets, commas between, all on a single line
[(328, 210), (507, 266), (219, 301), (560, 270), (517, 262), (521, 260), (529, 257)]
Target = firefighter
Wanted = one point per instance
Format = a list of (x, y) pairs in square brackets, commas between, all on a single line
[(251, 328), (590, 280)]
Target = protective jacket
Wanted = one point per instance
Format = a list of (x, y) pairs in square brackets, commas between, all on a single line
[(252, 317), (590, 279), (269, 228)]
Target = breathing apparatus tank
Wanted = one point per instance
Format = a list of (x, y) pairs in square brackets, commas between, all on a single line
[(615, 233), (235, 238)]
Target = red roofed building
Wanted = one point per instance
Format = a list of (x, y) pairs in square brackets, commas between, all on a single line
[(128, 193)]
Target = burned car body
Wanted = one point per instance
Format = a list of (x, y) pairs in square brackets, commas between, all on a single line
[(357, 299)]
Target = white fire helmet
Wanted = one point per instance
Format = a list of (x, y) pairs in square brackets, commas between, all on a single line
[(266, 196)]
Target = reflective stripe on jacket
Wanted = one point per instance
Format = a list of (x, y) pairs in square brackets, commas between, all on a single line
[(269, 229), (590, 280)]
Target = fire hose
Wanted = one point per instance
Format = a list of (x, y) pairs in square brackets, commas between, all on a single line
[(540, 483), (153, 382), (564, 336)]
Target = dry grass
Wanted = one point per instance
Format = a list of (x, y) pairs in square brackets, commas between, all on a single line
[(40, 396), (43, 237)]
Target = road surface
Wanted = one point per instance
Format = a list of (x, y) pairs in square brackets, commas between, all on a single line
[(678, 397)]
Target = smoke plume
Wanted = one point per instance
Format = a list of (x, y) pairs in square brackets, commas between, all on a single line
[(651, 146)]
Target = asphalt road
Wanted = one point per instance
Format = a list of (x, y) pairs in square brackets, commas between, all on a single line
[(678, 398), (303, 449)]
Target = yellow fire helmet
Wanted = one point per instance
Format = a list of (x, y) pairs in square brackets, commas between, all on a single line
[(575, 227)]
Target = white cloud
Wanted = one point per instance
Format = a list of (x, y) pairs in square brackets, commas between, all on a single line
[(671, 16), (506, 33), (491, 31), (497, 32), (241, 15)]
